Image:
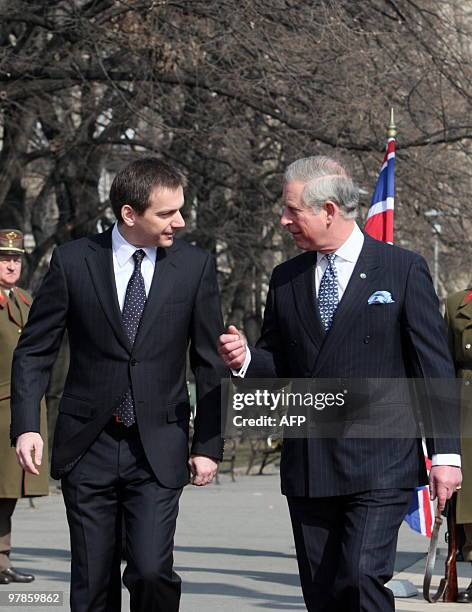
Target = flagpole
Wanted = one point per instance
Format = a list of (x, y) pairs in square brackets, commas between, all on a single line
[(379, 222), (400, 588), (392, 128)]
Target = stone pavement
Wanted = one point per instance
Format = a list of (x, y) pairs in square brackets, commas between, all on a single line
[(234, 550)]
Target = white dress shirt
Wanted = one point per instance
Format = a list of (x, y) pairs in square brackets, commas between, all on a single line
[(346, 259), (345, 262), (123, 264)]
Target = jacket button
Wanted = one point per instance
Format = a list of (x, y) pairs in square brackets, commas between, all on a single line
[(133, 362), (293, 343), (467, 346), (366, 340)]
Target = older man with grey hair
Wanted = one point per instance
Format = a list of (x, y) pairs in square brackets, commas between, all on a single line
[(348, 307)]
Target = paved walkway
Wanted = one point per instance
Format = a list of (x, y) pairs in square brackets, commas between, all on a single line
[(234, 550)]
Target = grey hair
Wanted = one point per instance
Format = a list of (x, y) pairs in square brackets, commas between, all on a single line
[(326, 179)]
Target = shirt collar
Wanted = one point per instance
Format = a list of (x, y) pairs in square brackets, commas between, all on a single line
[(124, 250), (351, 249)]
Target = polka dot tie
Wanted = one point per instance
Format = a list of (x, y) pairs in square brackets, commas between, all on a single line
[(328, 292), (135, 300)]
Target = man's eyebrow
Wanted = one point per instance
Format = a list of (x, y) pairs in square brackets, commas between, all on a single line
[(170, 209)]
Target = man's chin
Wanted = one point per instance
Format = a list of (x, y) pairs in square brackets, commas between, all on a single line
[(166, 240)]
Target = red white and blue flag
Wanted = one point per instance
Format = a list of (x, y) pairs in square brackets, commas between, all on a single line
[(379, 223), (420, 514)]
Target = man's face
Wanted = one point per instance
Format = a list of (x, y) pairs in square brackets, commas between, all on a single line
[(159, 222), (307, 227), (10, 270)]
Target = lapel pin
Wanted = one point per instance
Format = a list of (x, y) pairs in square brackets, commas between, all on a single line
[(363, 275)]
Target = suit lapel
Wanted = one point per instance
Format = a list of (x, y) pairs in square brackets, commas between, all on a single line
[(100, 265), (303, 285), (161, 288), (364, 280)]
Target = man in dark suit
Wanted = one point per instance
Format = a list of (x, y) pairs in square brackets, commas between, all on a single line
[(347, 496), (131, 299)]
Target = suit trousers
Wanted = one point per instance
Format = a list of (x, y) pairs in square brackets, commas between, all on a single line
[(346, 548), (7, 507), (113, 479)]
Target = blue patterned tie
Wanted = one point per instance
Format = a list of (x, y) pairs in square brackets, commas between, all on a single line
[(135, 300), (328, 292)]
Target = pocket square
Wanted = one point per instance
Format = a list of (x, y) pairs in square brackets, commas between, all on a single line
[(381, 297)]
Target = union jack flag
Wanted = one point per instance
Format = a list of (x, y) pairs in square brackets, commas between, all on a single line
[(420, 514), (379, 223)]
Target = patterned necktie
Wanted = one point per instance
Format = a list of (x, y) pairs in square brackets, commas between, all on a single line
[(328, 292), (135, 300)]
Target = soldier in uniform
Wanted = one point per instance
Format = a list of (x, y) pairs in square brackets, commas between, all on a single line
[(14, 482), (459, 321)]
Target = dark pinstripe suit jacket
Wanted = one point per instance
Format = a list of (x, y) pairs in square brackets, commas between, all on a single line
[(397, 340), (183, 307)]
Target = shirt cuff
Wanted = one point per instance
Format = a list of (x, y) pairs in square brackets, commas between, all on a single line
[(446, 459), (241, 373)]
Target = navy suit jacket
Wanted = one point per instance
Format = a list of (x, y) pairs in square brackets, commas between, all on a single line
[(182, 309), (406, 338)]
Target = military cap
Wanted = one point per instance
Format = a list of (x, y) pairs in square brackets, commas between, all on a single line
[(11, 242)]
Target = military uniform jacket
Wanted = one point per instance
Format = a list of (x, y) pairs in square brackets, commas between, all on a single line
[(13, 482), (459, 321)]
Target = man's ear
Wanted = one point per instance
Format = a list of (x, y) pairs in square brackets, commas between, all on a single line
[(331, 209), (128, 214)]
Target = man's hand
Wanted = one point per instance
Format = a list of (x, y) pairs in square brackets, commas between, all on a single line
[(443, 483), (202, 469), (29, 451), (232, 348)]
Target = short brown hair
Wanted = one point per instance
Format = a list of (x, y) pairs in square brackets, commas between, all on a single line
[(134, 183)]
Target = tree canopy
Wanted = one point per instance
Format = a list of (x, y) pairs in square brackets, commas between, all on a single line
[(231, 92)]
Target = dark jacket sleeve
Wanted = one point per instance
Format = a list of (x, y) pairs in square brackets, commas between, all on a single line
[(432, 361), (36, 351), (205, 328), (452, 304)]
